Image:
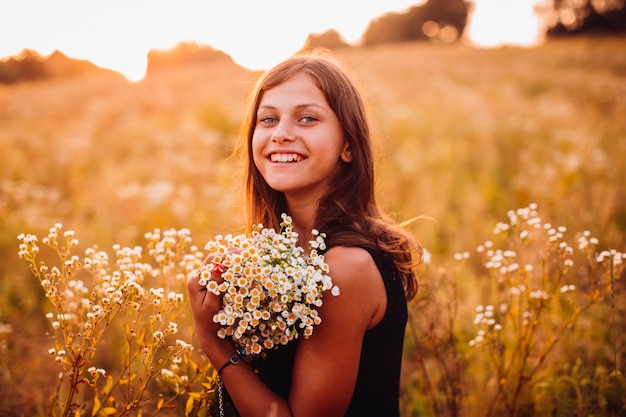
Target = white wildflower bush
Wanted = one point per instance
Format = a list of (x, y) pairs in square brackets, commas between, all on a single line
[(536, 282), (271, 287), (131, 301), (543, 282)]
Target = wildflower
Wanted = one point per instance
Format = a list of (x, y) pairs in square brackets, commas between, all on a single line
[(270, 288), (500, 227), (175, 297), (539, 294), (461, 256), (602, 255), (95, 371), (172, 327), (167, 374)]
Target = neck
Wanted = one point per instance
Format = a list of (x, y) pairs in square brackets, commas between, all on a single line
[(303, 213)]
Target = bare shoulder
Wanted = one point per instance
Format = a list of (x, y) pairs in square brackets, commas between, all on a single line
[(351, 264), (354, 271), (344, 259)]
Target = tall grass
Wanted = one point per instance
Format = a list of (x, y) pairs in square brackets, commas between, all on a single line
[(534, 287), (465, 137)]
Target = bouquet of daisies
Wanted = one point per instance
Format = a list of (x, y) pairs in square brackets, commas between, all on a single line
[(270, 287)]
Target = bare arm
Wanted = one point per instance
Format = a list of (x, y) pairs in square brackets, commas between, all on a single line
[(326, 364)]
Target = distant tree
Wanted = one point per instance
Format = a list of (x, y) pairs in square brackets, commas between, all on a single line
[(437, 20), (330, 39), (9, 71), (29, 65), (585, 16), (185, 53)]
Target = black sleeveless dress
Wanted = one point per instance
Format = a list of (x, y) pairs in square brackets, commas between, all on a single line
[(377, 387)]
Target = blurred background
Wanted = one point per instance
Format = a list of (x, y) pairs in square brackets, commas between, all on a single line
[(478, 107)]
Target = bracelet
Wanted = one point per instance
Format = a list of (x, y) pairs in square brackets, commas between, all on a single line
[(233, 360)]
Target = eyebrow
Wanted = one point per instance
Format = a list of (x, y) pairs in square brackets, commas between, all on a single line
[(298, 106)]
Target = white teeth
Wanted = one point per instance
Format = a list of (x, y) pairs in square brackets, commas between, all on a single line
[(285, 157)]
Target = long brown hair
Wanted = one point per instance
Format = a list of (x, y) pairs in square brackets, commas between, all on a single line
[(348, 213)]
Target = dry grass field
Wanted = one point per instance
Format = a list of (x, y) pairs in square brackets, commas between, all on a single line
[(473, 140)]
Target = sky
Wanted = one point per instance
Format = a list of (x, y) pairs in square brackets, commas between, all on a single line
[(118, 34)]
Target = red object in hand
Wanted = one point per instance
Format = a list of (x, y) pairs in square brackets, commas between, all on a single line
[(218, 269)]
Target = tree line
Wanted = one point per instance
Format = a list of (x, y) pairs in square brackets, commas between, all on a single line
[(442, 21)]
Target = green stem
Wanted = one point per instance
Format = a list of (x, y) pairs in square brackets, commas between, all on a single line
[(612, 275)]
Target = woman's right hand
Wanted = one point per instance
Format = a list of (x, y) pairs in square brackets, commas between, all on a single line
[(204, 304)]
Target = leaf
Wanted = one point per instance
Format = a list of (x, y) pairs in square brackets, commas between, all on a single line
[(160, 404), (109, 385), (189, 405), (109, 410), (96, 406)]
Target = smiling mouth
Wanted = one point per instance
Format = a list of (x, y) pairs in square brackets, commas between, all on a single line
[(285, 157)]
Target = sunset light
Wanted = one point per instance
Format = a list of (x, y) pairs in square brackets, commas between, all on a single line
[(136, 168), (119, 34), (498, 22)]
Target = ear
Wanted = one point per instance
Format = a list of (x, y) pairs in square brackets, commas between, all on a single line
[(346, 153)]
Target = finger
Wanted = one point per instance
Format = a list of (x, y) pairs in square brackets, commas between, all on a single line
[(193, 284), (198, 278), (211, 257)]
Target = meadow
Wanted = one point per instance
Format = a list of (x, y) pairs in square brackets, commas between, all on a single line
[(512, 160)]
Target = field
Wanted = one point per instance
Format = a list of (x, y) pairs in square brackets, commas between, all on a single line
[(513, 160)]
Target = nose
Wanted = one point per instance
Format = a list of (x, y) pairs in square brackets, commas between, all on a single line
[(283, 132)]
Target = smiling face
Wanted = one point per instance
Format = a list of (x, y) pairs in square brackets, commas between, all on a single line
[(297, 143)]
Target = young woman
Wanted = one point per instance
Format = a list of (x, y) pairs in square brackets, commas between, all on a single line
[(309, 155)]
